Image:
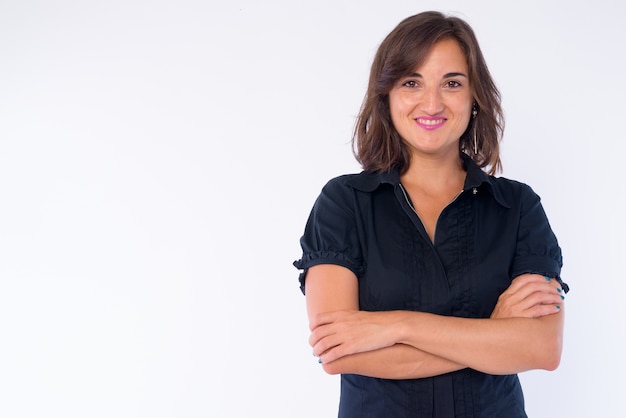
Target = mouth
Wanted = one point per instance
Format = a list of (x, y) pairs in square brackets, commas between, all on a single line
[(430, 123)]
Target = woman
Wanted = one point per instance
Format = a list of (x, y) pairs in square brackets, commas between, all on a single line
[(429, 282)]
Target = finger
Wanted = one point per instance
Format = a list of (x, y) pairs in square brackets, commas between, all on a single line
[(319, 333), (552, 282), (526, 294), (529, 285), (320, 319), (332, 348), (538, 311), (541, 295), (555, 284), (328, 337), (524, 301), (525, 280), (321, 345), (541, 298), (330, 355)]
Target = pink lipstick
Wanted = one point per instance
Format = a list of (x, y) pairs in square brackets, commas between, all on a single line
[(430, 122)]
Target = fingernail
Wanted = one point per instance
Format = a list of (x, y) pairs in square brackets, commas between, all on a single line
[(547, 278), (319, 360), (562, 297), (558, 289), (558, 306)]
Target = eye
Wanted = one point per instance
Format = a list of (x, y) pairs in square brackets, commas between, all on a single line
[(410, 84), (452, 84)]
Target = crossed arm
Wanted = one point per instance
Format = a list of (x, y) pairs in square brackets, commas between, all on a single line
[(524, 332)]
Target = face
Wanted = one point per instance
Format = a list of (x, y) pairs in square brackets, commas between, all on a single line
[(431, 108)]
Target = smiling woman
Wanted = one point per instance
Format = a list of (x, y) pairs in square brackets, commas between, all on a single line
[(430, 283), (431, 108)]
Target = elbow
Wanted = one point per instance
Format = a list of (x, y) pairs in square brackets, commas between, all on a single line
[(551, 354), (331, 368), (550, 343), (552, 361)]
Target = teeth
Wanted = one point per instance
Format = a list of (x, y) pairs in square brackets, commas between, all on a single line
[(430, 121)]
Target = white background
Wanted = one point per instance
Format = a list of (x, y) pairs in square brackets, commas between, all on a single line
[(158, 160)]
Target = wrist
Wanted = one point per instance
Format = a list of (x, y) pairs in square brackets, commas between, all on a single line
[(407, 327)]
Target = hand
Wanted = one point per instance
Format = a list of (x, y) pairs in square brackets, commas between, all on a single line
[(529, 296), (341, 333)]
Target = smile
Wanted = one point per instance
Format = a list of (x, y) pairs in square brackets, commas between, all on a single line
[(430, 123)]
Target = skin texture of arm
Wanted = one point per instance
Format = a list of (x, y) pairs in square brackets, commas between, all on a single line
[(523, 333), (331, 288)]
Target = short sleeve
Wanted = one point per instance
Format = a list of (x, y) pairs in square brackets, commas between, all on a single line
[(537, 251), (330, 235)]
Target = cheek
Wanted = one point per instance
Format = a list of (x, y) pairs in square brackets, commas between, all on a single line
[(467, 116), (399, 107), (399, 118), (465, 112), (393, 108)]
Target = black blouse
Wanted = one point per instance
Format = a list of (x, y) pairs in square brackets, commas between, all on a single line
[(495, 230)]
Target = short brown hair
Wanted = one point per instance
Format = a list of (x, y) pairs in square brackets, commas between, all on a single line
[(376, 143)]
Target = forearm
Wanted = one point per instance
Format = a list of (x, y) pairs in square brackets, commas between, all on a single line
[(399, 361), (495, 346), (525, 332)]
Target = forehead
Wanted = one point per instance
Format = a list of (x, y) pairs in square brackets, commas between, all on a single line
[(445, 55)]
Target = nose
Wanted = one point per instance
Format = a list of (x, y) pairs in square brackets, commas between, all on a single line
[(431, 102)]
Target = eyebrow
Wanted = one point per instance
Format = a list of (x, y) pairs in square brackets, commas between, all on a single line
[(448, 75)]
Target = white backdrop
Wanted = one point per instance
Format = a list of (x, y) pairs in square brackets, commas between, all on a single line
[(158, 160)]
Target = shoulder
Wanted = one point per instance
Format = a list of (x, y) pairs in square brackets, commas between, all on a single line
[(506, 191), (512, 192), (341, 181), (338, 187), (336, 196), (346, 192), (363, 182), (507, 185)]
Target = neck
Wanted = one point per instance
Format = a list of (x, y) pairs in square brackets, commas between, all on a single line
[(435, 173)]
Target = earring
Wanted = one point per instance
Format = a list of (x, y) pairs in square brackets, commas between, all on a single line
[(474, 113), (475, 143)]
